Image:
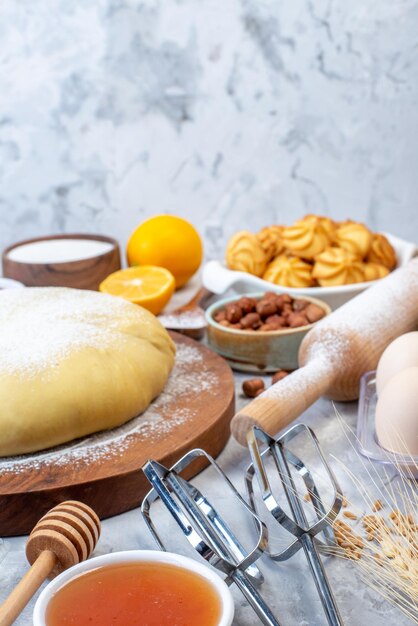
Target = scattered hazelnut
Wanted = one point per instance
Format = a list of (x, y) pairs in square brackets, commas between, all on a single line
[(279, 376), (253, 387), (314, 313), (266, 307), (251, 320), (233, 312)]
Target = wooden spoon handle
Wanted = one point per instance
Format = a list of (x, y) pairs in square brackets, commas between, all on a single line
[(23, 592), (198, 299), (281, 403)]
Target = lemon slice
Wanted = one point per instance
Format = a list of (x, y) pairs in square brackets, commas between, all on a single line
[(147, 285)]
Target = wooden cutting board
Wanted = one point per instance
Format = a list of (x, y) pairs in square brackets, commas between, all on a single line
[(104, 470)]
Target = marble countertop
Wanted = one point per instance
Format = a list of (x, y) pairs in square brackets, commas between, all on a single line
[(118, 110), (288, 587)]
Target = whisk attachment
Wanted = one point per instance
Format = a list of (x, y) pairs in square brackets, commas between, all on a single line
[(287, 464), (206, 530)]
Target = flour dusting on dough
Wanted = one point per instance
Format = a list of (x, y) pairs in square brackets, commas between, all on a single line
[(161, 417), (43, 331)]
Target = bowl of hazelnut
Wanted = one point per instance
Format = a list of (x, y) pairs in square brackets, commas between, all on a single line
[(262, 332)]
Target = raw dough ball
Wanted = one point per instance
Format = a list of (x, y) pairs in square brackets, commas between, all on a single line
[(397, 413), (400, 354), (74, 362)]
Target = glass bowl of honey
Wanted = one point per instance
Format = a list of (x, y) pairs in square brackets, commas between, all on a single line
[(136, 588)]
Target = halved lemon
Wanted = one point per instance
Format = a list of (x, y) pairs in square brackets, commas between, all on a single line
[(147, 285)]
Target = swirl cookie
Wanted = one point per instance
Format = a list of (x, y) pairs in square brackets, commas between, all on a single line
[(353, 237), (306, 238), (336, 266), (245, 253), (381, 252), (270, 238), (374, 271), (289, 272), (326, 223)]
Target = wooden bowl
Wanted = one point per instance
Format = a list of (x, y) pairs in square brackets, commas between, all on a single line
[(257, 351), (57, 265)]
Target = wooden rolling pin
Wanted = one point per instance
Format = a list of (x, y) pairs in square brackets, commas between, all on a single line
[(337, 352), (66, 535)]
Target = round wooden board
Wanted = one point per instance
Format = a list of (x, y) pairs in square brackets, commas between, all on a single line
[(104, 470)]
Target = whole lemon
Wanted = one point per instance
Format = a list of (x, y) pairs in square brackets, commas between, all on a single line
[(167, 241)]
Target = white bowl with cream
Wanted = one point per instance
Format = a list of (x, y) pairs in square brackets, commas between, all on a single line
[(133, 556), (68, 250)]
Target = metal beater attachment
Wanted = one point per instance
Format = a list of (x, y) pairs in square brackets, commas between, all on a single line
[(206, 530), (308, 514)]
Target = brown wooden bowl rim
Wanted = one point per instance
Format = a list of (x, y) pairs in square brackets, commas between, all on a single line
[(261, 333), (87, 236)]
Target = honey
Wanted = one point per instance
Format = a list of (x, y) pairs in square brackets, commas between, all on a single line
[(135, 594)]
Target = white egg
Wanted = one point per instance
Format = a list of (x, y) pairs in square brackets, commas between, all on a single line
[(397, 413), (400, 354)]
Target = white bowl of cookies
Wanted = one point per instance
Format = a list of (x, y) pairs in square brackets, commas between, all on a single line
[(316, 256)]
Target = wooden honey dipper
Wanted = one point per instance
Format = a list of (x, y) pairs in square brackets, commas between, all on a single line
[(337, 352), (66, 535)]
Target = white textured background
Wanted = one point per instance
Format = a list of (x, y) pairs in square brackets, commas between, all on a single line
[(232, 113)]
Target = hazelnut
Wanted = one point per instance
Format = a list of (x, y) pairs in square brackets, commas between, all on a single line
[(284, 298), (296, 319), (299, 304), (251, 320), (287, 309), (233, 312), (277, 320), (314, 313), (253, 387), (270, 295), (247, 304), (266, 307), (279, 376), (220, 316), (268, 327)]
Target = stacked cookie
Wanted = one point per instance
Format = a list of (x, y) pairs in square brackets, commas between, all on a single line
[(313, 251)]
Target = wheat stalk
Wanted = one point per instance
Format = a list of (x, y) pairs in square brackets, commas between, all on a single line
[(386, 551)]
